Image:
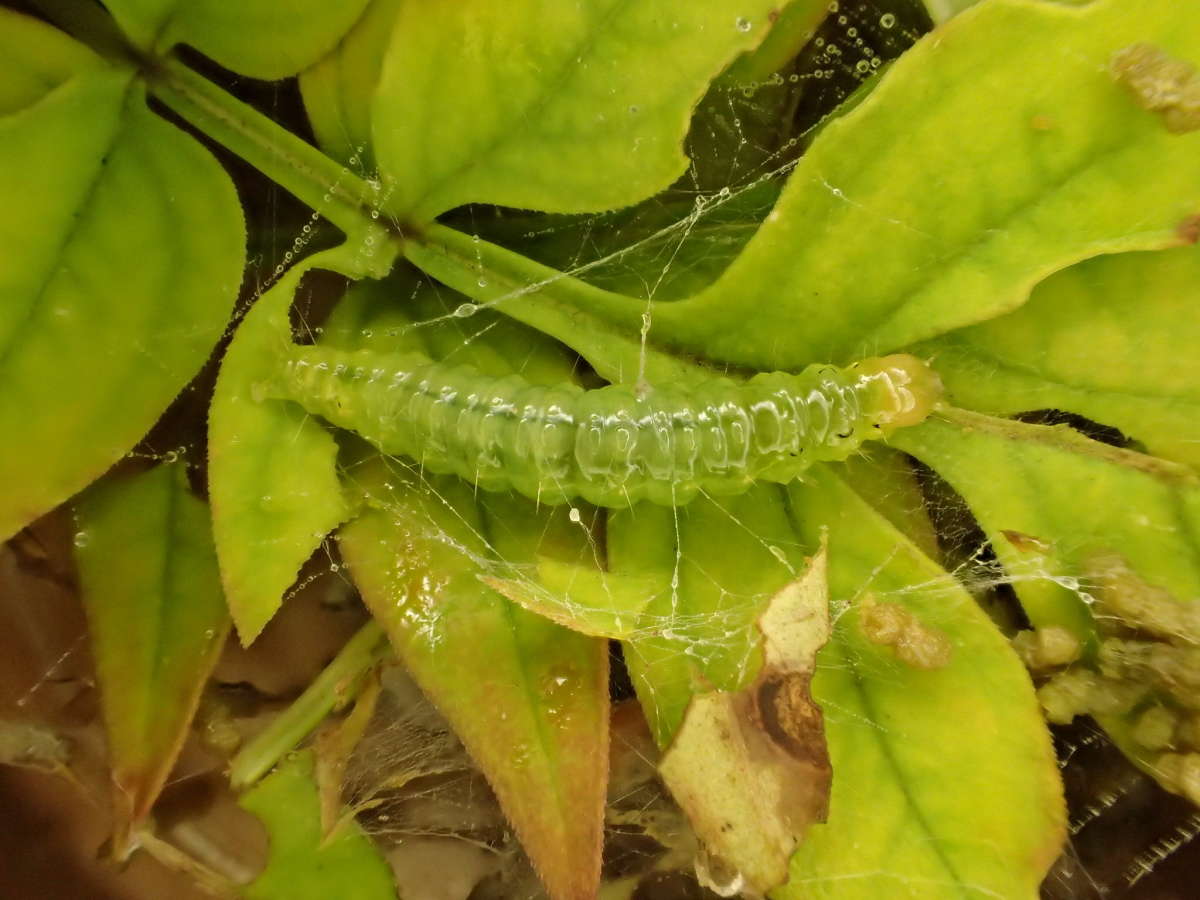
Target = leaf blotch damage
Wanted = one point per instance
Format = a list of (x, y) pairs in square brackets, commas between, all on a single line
[(915, 644), (750, 767), (1160, 83)]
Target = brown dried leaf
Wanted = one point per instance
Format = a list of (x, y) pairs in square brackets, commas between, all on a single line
[(750, 767)]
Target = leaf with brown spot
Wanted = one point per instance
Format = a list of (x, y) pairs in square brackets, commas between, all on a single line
[(750, 767)]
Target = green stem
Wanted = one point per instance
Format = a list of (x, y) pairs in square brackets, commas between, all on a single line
[(600, 325), (329, 188), (339, 682)]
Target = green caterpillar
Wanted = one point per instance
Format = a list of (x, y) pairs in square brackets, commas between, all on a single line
[(610, 446)]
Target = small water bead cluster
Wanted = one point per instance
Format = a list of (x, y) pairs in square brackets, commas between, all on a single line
[(611, 446), (1147, 667), (1160, 84)]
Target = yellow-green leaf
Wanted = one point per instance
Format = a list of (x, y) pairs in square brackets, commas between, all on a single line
[(303, 863), (528, 698), (945, 782), (1052, 502), (920, 233), (272, 469), (1113, 339), (156, 615), (261, 38), (564, 107), (123, 251), (704, 573)]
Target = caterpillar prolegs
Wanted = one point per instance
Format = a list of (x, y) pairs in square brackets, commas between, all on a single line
[(612, 445)]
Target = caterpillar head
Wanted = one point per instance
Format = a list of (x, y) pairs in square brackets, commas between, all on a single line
[(904, 389)]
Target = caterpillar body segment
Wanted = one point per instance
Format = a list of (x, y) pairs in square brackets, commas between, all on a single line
[(614, 445)]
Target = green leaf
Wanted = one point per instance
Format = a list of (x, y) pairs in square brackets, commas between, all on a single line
[(272, 469), (123, 252), (943, 233), (790, 30), (948, 232), (705, 571), (35, 59), (538, 104), (304, 864), (339, 88), (941, 10), (945, 782), (156, 615), (528, 698), (1113, 339), (1050, 500), (268, 39)]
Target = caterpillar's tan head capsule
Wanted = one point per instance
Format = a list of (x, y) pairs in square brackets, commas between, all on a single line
[(906, 389)]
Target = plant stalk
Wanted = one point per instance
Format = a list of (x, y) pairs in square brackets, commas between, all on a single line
[(304, 171), (333, 688)]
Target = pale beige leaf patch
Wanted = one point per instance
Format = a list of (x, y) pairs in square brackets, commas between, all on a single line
[(750, 767)]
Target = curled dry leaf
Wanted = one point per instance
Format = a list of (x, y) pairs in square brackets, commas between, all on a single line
[(750, 767)]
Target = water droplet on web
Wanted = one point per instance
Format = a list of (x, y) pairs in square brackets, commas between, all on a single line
[(482, 282), (887, 20), (465, 310), (82, 539), (574, 515), (743, 24)]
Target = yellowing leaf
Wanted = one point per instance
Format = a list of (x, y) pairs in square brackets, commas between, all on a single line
[(1113, 339), (945, 782), (750, 767), (528, 698), (102, 322), (148, 575), (565, 107), (261, 38), (272, 473)]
